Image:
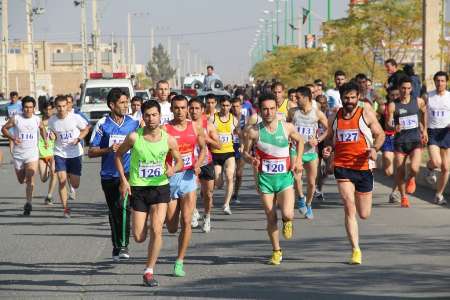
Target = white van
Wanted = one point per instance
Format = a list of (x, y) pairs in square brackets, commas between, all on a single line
[(96, 89)]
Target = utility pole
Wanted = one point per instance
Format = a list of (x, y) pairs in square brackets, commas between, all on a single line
[(292, 22), (31, 62), (169, 48), (188, 64), (152, 42), (329, 10), (113, 56), (309, 16), (5, 47), (299, 31), (123, 65), (277, 12), (96, 37), (180, 86), (129, 44), (84, 49), (133, 58), (286, 14)]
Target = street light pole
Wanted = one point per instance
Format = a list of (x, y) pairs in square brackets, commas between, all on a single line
[(31, 58), (5, 46), (95, 37), (329, 10), (292, 23), (309, 16), (129, 44), (84, 50), (277, 7), (286, 14)]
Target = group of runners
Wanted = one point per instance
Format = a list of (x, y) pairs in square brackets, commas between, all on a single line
[(154, 160)]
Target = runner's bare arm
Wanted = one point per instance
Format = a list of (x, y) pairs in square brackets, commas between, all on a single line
[(423, 119), (375, 127), (43, 133), (324, 122), (212, 139), (175, 152), (202, 146), (299, 141), (83, 133), (389, 122), (290, 115), (123, 148), (328, 149), (251, 136), (5, 129)]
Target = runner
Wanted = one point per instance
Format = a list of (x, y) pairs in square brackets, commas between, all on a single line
[(352, 138), (148, 186), (282, 102), (409, 116), (274, 169), (306, 120), (292, 97), (70, 129), (334, 98), (236, 109), (207, 174), (439, 135), (46, 160), (224, 158), (25, 151), (162, 96), (388, 146), (183, 184), (136, 104), (14, 107), (211, 104), (109, 133)]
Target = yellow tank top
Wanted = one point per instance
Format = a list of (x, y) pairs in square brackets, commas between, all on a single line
[(225, 132), (282, 111)]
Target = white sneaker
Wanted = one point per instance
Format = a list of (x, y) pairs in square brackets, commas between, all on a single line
[(430, 176), (206, 224), (72, 193), (194, 222), (196, 215), (394, 197), (227, 210), (439, 200)]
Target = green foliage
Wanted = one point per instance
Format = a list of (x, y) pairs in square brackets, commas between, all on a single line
[(159, 68)]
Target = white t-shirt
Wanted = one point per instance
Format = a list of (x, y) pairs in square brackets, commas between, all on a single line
[(334, 98), (67, 130), (166, 113), (27, 131), (438, 110)]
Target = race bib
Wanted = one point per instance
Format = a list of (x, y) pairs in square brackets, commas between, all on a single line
[(224, 138), (348, 135), (187, 159), (274, 166), (307, 131), (66, 136), (116, 139), (281, 116), (28, 138), (408, 122), (165, 120), (235, 139), (438, 113), (149, 170)]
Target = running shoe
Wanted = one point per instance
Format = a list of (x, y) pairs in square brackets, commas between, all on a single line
[(27, 208), (288, 229), (439, 200), (115, 255), (318, 196), (206, 224), (405, 202), (356, 258), (194, 222), (48, 200), (72, 193), (394, 197), (67, 213), (236, 200), (301, 204), (309, 213), (227, 210), (411, 185), (124, 253), (430, 176), (178, 269), (149, 280), (277, 257), (196, 215)]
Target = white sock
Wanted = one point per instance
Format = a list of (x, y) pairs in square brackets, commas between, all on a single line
[(148, 270)]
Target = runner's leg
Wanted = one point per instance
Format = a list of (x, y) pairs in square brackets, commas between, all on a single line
[(229, 167), (270, 209), (157, 215), (187, 207), (347, 191), (445, 171)]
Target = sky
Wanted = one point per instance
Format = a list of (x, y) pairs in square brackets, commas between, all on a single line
[(221, 32)]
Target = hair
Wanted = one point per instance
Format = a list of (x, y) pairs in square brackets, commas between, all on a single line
[(172, 94), (305, 92), (439, 74), (309, 85), (210, 67), (46, 104), (275, 84), (69, 96), (392, 88), (409, 69), (391, 61), (361, 76), (137, 98), (339, 73), (149, 104), (265, 97), (235, 99), (13, 94), (318, 82), (348, 87), (60, 98), (225, 98), (239, 92), (211, 96), (196, 100), (318, 97), (179, 98), (161, 82), (403, 80), (28, 99), (114, 95), (292, 91)]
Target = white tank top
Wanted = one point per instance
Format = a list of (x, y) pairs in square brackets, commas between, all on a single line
[(307, 125), (438, 110), (27, 130)]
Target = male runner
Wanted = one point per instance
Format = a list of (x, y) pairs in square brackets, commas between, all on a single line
[(46, 153), (292, 97), (207, 174), (282, 102), (70, 129), (14, 107), (353, 129), (183, 184), (274, 169), (136, 104), (409, 116), (148, 185), (109, 133), (334, 98), (439, 135), (224, 158), (25, 151), (306, 120), (162, 96), (211, 104), (236, 109)]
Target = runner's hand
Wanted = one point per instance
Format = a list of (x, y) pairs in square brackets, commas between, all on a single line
[(425, 137), (17, 141), (124, 189), (169, 171), (327, 151), (313, 142), (114, 148), (255, 162), (372, 154), (76, 141), (197, 170), (297, 168)]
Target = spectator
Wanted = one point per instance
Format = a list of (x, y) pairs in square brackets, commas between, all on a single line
[(416, 82)]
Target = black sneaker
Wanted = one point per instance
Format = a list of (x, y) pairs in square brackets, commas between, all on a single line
[(149, 280), (27, 208), (123, 253), (48, 201), (115, 255)]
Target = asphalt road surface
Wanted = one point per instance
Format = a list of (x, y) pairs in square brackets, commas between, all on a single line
[(406, 252)]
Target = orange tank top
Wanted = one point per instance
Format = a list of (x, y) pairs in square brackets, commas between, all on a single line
[(352, 138)]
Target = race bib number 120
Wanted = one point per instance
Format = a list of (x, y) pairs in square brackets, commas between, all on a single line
[(274, 166)]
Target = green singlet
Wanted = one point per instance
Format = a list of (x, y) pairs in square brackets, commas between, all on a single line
[(46, 152)]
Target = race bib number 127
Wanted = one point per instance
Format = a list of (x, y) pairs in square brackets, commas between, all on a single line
[(348, 135)]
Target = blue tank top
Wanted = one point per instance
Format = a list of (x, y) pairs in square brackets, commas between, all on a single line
[(406, 119)]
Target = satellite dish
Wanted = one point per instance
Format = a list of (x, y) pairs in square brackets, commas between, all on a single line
[(196, 84), (216, 85)]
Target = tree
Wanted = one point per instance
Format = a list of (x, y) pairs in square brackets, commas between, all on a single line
[(159, 67)]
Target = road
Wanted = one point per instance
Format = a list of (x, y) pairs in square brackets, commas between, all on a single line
[(406, 252)]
